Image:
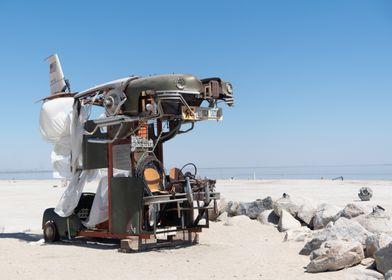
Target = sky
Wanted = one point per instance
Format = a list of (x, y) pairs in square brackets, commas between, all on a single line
[(312, 79)]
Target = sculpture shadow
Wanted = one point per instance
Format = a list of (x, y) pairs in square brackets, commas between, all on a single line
[(22, 236)]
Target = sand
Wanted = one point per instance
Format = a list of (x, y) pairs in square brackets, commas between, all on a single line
[(244, 250)]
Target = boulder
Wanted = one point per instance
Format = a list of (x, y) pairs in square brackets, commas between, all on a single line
[(368, 263), (259, 206), (359, 272), (338, 254), (298, 235), (268, 217), (287, 221), (343, 229), (352, 210), (221, 208), (232, 207), (377, 222), (388, 275), (285, 203), (365, 193), (250, 209), (383, 259), (325, 213), (306, 212), (376, 242)]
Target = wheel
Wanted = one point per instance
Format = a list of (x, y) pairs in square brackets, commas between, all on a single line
[(50, 232)]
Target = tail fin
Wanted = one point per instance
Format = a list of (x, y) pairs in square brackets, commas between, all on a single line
[(57, 82)]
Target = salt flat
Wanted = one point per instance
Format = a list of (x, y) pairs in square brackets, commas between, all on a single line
[(244, 250)]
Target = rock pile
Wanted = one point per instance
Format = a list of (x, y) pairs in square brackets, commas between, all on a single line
[(335, 238)]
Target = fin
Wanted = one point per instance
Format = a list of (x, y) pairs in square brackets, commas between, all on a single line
[(57, 82)]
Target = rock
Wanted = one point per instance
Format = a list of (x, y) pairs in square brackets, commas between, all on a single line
[(268, 217), (286, 204), (232, 208), (325, 213), (388, 275), (298, 235), (338, 254), (383, 259), (250, 209), (318, 252), (368, 263), (287, 221), (343, 228), (221, 208), (241, 221), (365, 193), (361, 273), (377, 222), (352, 210), (306, 212), (259, 206), (376, 242)]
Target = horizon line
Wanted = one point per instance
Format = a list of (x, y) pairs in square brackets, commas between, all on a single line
[(223, 167)]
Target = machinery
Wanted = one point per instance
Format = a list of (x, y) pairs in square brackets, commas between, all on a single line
[(119, 129)]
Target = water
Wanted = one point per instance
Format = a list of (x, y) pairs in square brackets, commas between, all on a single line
[(349, 172)]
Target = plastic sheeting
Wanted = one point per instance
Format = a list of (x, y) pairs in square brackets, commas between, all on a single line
[(61, 123), (55, 119), (99, 209), (71, 196)]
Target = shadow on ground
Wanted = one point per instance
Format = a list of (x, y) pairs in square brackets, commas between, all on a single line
[(91, 243), (22, 236)]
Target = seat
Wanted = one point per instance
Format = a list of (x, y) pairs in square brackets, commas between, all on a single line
[(152, 179)]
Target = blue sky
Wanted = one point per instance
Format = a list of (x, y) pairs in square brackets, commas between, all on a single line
[(312, 79)]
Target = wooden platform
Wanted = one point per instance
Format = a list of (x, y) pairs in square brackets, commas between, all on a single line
[(137, 244)]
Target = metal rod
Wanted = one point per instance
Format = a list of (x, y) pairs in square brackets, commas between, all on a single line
[(110, 175)]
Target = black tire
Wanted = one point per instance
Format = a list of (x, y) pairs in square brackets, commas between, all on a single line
[(50, 232)]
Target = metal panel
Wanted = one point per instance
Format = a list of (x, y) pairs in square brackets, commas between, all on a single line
[(94, 155), (126, 198)]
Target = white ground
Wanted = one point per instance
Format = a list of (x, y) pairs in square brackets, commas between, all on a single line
[(245, 250)]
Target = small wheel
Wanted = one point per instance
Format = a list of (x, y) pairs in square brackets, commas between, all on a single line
[(50, 232)]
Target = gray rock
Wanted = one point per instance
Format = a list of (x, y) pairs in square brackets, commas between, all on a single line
[(359, 272), (365, 193), (325, 213), (250, 209), (318, 252), (232, 207), (268, 217), (376, 242), (298, 235), (287, 221), (388, 275), (338, 255), (377, 222), (343, 229), (258, 206), (368, 263), (213, 214), (306, 212), (352, 210), (286, 204), (383, 259), (242, 208)]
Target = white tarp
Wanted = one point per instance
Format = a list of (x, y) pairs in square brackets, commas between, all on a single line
[(99, 209), (61, 123), (71, 196), (55, 119)]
